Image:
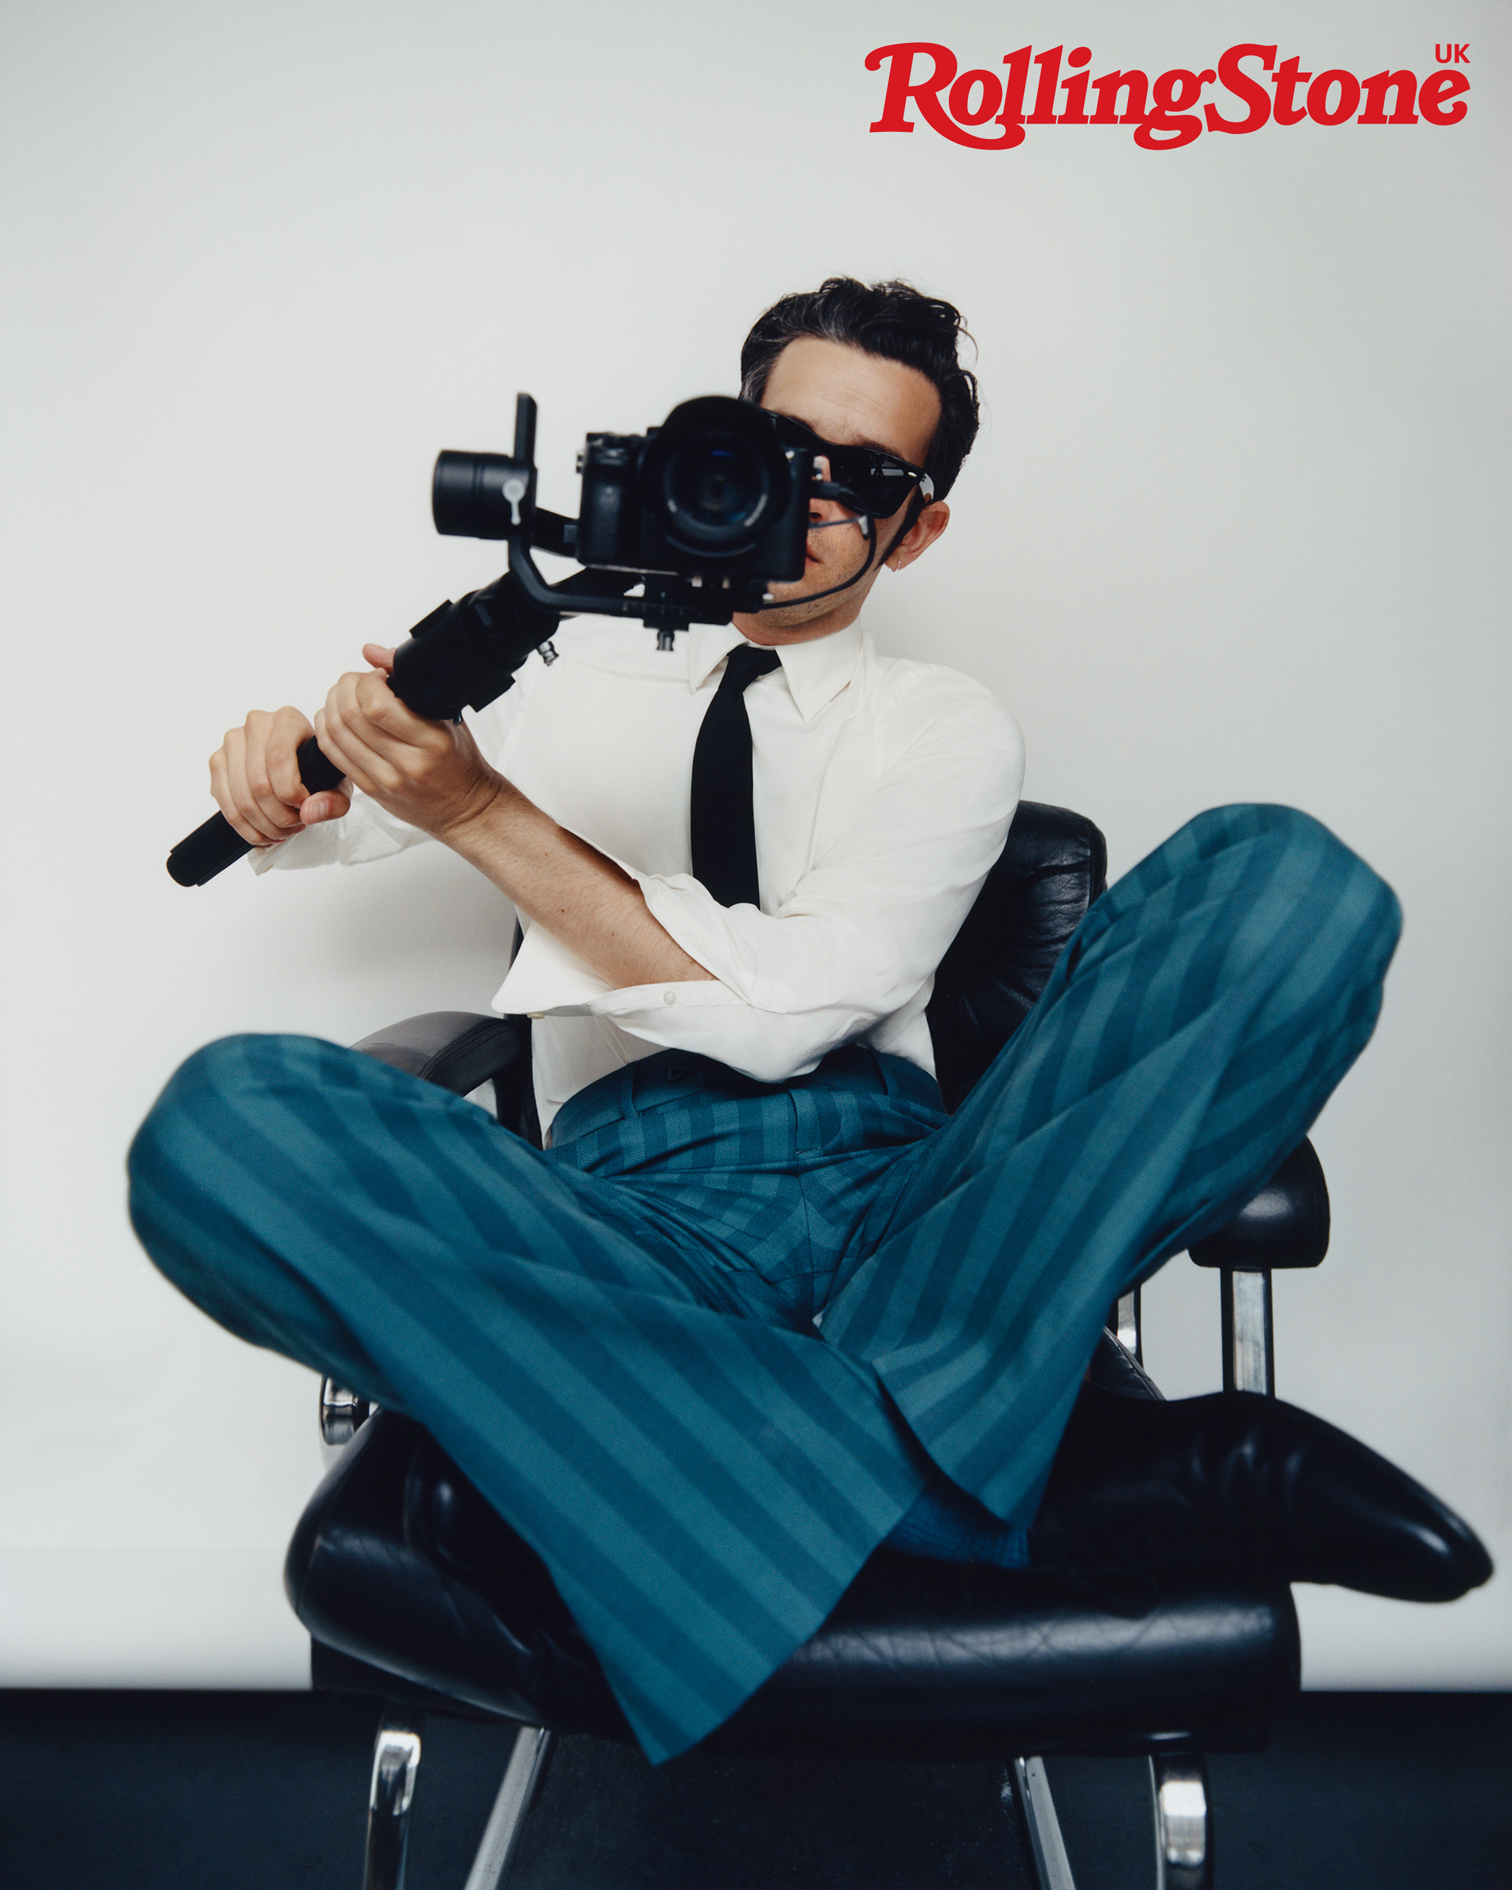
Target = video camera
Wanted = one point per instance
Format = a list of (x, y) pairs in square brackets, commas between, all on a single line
[(700, 515)]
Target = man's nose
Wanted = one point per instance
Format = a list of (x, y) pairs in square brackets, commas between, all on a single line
[(821, 510), (826, 512)]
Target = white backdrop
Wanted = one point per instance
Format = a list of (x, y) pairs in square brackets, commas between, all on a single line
[(1236, 527)]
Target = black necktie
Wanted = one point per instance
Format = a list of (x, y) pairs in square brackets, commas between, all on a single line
[(722, 825)]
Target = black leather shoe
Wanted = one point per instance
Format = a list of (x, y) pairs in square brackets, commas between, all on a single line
[(1244, 1482)]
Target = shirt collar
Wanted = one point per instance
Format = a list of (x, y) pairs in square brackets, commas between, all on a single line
[(815, 672)]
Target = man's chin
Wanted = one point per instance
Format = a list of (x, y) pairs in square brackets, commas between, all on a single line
[(790, 613), (795, 601), (821, 595)]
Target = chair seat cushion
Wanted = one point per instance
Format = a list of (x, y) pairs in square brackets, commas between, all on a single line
[(399, 1563)]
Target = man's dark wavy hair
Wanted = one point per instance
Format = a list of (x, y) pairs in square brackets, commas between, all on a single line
[(890, 319)]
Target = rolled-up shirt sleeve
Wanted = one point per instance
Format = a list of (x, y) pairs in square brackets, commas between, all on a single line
[(858, 938)]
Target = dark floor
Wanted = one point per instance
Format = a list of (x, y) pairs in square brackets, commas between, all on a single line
[(256, 1791)]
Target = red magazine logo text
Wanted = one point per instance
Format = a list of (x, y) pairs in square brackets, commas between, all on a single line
[(989, 110)]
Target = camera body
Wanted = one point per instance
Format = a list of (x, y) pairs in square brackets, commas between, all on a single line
[(711, 494), (705, 510)]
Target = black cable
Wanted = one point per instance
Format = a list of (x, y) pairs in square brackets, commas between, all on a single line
[(868, 531)]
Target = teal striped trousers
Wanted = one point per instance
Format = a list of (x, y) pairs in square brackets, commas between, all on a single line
[(703, 1352)]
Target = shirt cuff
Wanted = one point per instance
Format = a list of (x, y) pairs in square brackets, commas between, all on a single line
[(548, 980), (364, 833), (725, 940)]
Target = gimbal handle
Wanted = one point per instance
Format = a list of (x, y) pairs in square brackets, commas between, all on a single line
[(460, 656)]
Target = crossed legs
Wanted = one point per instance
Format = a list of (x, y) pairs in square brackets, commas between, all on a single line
[(705, 1484)]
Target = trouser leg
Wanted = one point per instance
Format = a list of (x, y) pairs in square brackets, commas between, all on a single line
[(702, 1485), (1192, 1031)]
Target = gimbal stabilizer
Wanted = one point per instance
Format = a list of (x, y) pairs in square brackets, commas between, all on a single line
[(701, 513)]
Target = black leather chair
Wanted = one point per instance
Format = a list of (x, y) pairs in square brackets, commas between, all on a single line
[(411, 1586)]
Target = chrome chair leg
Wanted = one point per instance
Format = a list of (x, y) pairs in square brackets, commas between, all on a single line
[(501, 1835), (1031, 1787), (1249, 1343), (396, 1760), (1183, 1829)]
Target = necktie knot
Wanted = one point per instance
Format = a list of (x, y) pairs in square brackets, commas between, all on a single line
[(744, 664)]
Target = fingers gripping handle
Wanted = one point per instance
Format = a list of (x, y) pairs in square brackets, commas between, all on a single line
[(462, 655), (216, 844)]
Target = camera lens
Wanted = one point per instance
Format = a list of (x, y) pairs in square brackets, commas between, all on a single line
[(716, 487), (716, 476)]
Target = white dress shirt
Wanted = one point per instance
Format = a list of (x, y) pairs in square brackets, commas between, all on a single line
[(882, 793)]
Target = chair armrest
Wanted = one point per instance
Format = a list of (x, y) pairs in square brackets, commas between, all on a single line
[(459, 1050), (1286, 1225)]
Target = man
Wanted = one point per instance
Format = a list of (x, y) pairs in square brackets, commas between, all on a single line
[(760, 1304)]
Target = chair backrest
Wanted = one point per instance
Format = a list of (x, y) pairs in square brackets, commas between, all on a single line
[(1054, 864)]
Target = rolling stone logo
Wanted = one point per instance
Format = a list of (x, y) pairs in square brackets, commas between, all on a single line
[(989, 111)]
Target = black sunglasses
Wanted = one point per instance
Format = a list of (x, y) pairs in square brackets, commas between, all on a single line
[(879, 481)]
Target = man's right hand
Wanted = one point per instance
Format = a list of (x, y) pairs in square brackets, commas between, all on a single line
[(254, 776)]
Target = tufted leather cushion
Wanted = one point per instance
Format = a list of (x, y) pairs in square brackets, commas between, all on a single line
[(1055, 863), (399, 1563)]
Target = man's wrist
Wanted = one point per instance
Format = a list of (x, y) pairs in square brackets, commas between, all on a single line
[(466, 826)]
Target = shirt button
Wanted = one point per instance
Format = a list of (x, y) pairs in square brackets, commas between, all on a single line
[(669, 997)]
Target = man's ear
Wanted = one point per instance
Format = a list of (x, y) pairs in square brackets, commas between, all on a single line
[(925, 529)]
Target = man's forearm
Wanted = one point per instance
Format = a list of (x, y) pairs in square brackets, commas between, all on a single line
[(432, 775), (560, 882)]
